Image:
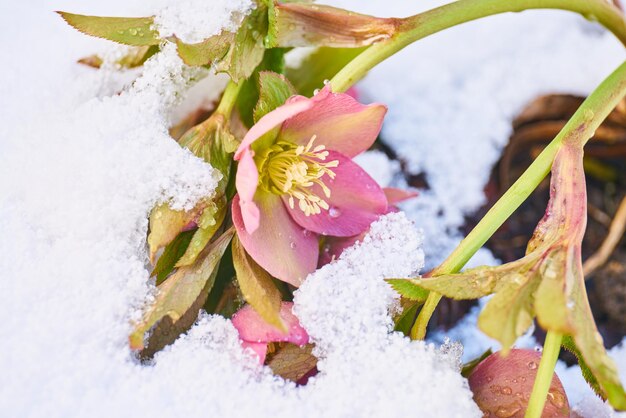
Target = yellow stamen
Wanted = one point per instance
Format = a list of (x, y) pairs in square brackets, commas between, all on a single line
[(294, 170)]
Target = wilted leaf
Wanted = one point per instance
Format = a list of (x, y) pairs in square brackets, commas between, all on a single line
[(137, 31), (179, 299), (274, 90), (509, 313), (172, 253), (257, 287), (297, 24), (409, 288), (292, 362), (320, 65)]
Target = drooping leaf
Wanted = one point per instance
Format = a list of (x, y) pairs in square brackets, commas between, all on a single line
[(257, 287), (568, 343), (591, 347), (409, 288), (298, 25), (136, 31), (320, 65), (172, 253), (179, 299), (509, 314), (135, 57), (274, 90), (247, 49), (291, 361)]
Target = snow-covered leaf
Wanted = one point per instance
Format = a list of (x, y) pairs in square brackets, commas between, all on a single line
[(409, 288), (165, 225), (257, 287), (179, 299), (135, 57), (137, 31)]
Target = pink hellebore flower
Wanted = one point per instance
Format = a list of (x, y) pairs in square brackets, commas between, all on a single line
[(296, 180), (255, 333)]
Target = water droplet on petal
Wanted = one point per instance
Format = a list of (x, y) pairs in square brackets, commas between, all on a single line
[(532, 365), (334, 212), (292, 245), (506, 390)]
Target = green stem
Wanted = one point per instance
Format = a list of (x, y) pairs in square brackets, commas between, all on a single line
[(550, 355), (580, 128), (229, 98), (416, 27)]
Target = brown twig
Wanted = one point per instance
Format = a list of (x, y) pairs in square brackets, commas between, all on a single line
[(616, 232)]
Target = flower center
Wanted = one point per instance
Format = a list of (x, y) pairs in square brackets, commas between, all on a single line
[(294, 170)]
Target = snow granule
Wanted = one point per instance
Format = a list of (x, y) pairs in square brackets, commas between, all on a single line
[(193, 21)]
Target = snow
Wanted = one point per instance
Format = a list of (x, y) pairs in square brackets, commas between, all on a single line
[(193, 21), (81, 167)]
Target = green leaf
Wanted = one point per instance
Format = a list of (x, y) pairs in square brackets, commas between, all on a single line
[(469, 367), (137, 31), (165, 225), (409, 288), (320, 65), (273, 60), (405, 320), (591, 346), (247, 49), (209, 222), (568, 343), (206, 52), (179, 299), (292, 362), (257, 287), (274, 90), (172, 253)]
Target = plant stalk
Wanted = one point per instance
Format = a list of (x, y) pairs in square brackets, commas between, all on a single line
[(551, 349), (229, 98), (416, 27)]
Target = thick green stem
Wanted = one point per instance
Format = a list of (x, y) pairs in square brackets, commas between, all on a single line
[(551, 349), (229, 98), (579, 128), (424, 24)]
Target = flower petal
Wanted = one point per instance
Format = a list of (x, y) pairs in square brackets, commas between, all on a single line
[(339, 122), (294, 106), (395, 195), (253, 329), (246, 182), (356, 200), (279, 245), (260, 349), (334, 246)]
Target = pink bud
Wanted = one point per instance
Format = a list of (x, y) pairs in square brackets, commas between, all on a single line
[(502, 386)]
